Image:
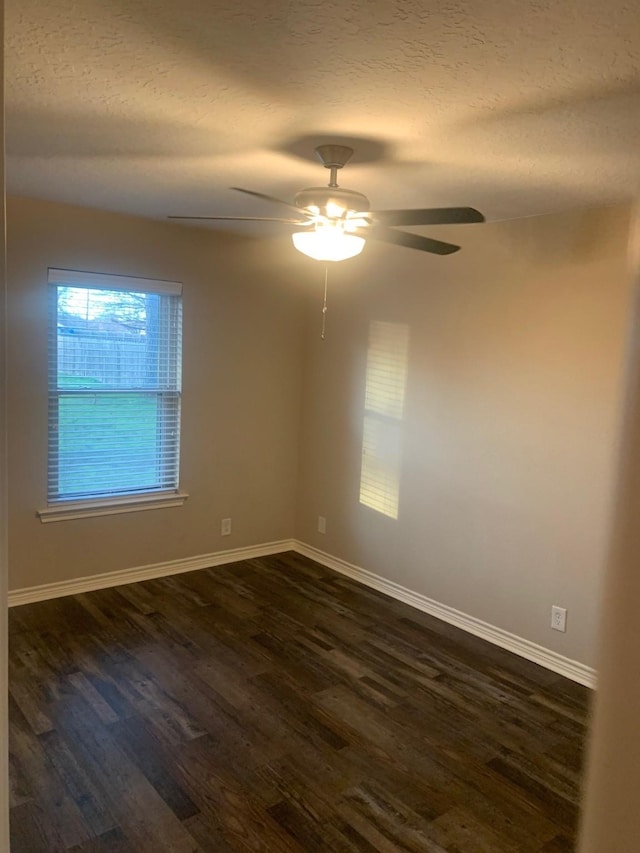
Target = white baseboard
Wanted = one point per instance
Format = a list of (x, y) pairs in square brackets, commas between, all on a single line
[(144, 573), (525, 648), (518, 645)]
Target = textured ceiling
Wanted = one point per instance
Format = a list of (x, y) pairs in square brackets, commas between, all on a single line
[(156, 107)]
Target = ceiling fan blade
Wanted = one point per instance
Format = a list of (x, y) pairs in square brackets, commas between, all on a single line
[(246, 219), (265, 197), (410, 241), (427, 216)]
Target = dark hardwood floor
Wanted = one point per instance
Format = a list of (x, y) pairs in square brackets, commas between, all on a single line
[(273, 705)]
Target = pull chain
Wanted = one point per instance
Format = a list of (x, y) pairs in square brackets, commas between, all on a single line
[(324, 303)]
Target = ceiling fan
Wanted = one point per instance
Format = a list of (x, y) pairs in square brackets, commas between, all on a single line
[(337, 221)]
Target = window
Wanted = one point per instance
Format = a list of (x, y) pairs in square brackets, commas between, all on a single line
[(114, 388)]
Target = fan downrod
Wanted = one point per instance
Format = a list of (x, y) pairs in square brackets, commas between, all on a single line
[(334, 157)]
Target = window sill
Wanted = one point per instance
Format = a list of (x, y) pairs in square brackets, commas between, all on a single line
[(65, 511)]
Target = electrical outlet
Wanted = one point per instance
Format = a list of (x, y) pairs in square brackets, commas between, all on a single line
[(225, 527), (559, 618), (322, 524)]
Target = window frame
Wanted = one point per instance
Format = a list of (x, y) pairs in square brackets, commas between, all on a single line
[(62, 508)]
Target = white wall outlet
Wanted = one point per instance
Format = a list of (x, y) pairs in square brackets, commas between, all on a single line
[(322, 524), (225, 527), (559, 618)]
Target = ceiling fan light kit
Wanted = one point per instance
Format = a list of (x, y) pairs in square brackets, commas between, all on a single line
[(337, 221), (328, 243)]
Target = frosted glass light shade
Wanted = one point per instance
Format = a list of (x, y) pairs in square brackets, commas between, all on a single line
[(328, 243)]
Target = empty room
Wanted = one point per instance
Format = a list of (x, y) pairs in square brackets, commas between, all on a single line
[(321, 427)]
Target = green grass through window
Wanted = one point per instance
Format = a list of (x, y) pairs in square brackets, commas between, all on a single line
[(91, 426)]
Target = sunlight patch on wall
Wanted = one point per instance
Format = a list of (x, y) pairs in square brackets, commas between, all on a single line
[(386, 379)]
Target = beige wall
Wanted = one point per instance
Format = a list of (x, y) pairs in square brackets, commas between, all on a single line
[(612, 818), (509, 421), (241, 391)]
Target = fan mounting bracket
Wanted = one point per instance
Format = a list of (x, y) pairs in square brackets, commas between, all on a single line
[(334, 157)]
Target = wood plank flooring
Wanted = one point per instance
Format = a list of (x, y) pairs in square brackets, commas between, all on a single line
[(273, 705)]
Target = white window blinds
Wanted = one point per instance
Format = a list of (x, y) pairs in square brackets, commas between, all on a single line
[(114, 385)]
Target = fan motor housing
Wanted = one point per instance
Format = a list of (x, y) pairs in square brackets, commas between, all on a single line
[(320, 197)]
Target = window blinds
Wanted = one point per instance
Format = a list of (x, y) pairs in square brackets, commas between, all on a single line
[(114, 385)]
